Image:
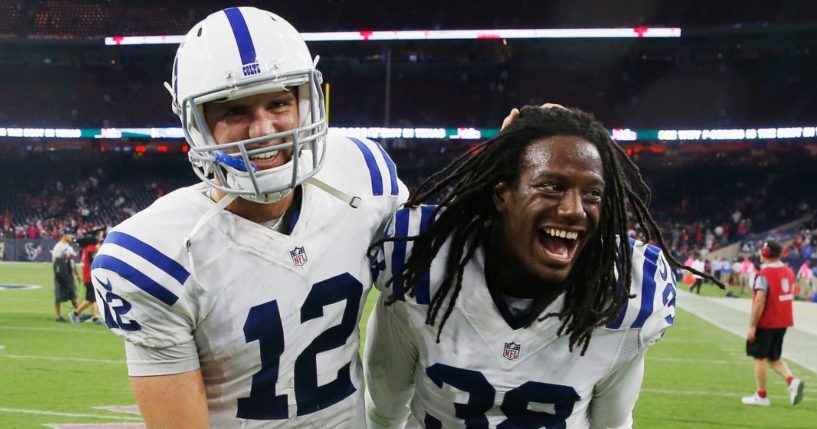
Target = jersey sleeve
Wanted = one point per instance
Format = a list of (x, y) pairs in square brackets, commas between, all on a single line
[(362, 167), (615, 397), (390, 257), (761, 284), (142, 295), (382, 176), (389, 361), (652, 309)]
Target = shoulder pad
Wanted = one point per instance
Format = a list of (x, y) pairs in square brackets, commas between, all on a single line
[(390, 258), (652, 309), (140, 287), (361, 165)]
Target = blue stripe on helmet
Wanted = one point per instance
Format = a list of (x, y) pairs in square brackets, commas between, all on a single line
[(241, 32)]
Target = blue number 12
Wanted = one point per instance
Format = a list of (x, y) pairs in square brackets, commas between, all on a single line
[(264, 325)]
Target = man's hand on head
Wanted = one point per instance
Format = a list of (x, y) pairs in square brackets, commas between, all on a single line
[(515, 113)]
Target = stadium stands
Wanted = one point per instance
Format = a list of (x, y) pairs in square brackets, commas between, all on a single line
[(95, 18), (57, 73), (742, 192)]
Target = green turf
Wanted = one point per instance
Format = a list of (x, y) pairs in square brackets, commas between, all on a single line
[(49, 367), (711, 289), (694, 379), (696, 375)]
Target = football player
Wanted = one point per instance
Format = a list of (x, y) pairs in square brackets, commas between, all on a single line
[(239, 298), (518, 301)]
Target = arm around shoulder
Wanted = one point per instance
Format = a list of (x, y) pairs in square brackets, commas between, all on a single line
[(389, 361)]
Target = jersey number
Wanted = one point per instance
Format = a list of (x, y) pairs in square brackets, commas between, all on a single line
[(264, 325), (114, 307), (515, 405)]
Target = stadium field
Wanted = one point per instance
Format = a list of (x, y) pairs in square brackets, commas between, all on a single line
[(63, 375)]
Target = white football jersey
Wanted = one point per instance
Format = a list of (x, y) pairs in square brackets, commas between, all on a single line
[(483, 372), (270, 318)]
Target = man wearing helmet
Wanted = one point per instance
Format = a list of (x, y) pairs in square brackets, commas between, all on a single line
[(239, 298)]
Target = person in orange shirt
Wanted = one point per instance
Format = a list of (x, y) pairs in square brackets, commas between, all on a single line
[(771, 315)]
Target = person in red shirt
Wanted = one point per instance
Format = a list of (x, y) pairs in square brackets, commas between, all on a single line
[(90, 245), (771, 315)]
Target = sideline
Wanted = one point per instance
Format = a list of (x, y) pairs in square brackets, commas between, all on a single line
[(704, 394), (62, 359), (732, 315), (58, 414)]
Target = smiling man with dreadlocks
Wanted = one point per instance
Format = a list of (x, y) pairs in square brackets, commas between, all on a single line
[(491, 298)]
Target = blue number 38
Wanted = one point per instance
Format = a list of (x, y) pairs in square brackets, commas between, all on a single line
[(515, 404)]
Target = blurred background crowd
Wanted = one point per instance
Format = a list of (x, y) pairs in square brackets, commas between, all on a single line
[(737, 65)]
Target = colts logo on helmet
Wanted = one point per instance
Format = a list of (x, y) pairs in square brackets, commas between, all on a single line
[(251, 69)]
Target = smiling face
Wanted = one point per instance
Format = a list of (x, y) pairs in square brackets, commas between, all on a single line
[(255, 116), (547, 218)]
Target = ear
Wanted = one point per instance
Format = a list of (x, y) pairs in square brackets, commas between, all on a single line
[(501, 196)]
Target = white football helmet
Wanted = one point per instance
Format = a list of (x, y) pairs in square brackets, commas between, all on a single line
[(235, 53)]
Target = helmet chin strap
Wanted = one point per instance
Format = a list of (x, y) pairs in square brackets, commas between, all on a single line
[(188, 240), (351, 200)]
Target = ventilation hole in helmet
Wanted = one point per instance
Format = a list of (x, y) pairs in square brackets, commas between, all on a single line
[(273, 17), (199, 33)]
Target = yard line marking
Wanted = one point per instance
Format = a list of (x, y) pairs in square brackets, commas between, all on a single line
[(57, 330), (54, 413), (95, 425), (128, 409), (704, 393), (697, 361), (673, 340), (61, 358)]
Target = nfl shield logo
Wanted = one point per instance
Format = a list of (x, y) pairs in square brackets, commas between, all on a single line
[(298, 256), (511, 351)]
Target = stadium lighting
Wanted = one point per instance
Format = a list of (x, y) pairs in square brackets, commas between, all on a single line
[(439, 133), (368, 35)]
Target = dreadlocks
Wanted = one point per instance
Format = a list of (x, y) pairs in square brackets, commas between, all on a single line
[(466, 214)]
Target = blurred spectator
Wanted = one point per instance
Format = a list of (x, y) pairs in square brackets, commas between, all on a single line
[(747, 274), (805, 279), (62, 257), (697, 264)]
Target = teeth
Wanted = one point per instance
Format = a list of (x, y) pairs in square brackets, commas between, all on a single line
[(562, 234), (264, 155)]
